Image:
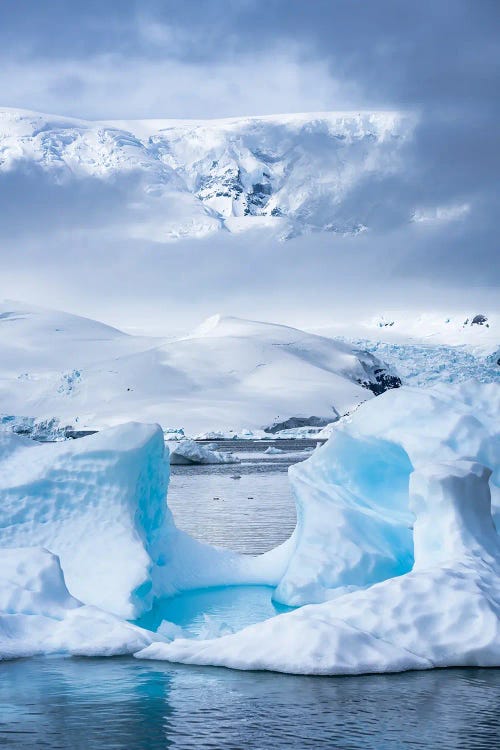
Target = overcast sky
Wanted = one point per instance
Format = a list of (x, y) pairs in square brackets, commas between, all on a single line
[(213, 58)]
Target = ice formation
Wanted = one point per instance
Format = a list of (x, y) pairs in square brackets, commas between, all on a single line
[(446, 612), (190, 452), (354, 522), (99, 503), (38, 615), (395, 554)]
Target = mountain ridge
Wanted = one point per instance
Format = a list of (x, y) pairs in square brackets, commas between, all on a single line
[(292, 174)]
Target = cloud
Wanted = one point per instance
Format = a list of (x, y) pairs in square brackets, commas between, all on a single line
[(114, 87), (160, 58)]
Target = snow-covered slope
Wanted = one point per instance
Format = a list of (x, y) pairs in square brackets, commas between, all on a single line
[(473, 331), (230, 373), (428, 348), (291, 173)]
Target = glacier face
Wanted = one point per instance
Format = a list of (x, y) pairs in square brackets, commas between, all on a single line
[(289, 173)]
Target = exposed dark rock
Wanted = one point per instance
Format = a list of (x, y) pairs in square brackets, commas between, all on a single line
[(479, 320), (382, 381)]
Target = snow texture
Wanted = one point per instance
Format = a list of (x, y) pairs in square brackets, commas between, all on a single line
[(230, 374), (199, 177), (444, 613), (38, 615)]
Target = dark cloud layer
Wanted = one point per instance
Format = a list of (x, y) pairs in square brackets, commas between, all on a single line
[(439, 59)]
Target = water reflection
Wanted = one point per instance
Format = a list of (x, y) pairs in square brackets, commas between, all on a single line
[(123, 703)]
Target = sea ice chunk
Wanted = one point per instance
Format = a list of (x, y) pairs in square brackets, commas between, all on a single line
[(98, 503), (190, 452)]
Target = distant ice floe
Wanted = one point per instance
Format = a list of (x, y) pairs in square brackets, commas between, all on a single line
[(188, 452)]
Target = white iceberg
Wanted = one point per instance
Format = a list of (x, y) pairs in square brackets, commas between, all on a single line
[(446, 612), (188, 452), (38, 615), (99, 503), (354, 522), (388, 597)]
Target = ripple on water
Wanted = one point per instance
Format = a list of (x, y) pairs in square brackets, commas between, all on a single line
[(126, 704)]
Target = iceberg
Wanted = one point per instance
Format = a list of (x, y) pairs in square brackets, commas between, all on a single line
[(354, 523), (187, 452), (444, 613), (38, 615), (99, 503), (394, 562)]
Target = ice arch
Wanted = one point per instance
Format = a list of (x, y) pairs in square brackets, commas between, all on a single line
[(354, 519)]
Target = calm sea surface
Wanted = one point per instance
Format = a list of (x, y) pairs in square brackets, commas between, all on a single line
[(126, 704)]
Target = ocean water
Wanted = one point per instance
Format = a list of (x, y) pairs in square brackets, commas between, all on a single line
[(127, 704), (247, 507)]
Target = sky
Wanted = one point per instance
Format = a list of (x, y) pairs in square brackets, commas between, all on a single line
[(214, 58)]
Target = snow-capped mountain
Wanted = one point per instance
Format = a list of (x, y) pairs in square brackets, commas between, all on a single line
[(229, 373), (472, 330), (290, 173)]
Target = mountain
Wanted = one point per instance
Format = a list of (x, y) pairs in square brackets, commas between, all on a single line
[(228, 374), (290, 173), (473, 331)]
